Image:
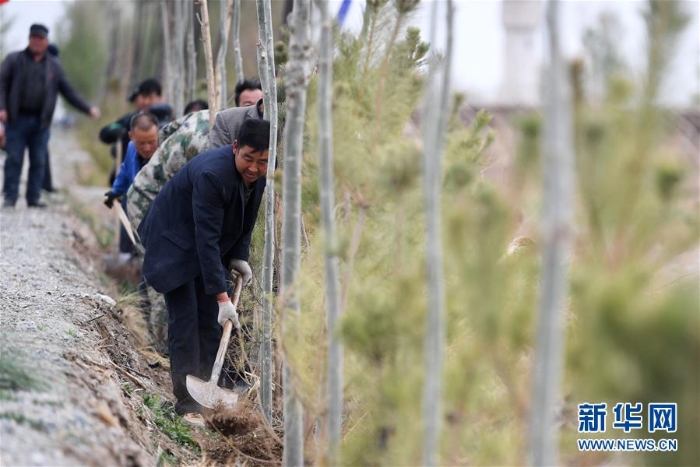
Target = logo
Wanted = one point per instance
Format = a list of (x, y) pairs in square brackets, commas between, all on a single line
[(662, 417), (591, 417), (627, 417)]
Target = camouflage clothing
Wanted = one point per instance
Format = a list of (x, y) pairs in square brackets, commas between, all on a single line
[(185, 138)]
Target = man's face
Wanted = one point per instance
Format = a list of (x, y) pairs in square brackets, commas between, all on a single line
[(138, 103), (249, 97), (144, 101), (38, 44), (146, 142), (251, 164)]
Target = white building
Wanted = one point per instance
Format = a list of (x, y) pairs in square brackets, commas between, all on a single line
[(521, 63)]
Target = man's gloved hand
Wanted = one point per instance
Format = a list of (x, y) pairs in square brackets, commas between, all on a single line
[(109, 198), (238, 266), (227, 311)]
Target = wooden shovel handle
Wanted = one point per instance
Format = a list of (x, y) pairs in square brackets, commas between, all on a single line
[(226, 335)]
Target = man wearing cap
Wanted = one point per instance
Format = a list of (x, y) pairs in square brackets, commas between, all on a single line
[(30, 81)]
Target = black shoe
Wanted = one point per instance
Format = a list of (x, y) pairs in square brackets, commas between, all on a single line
[(8, 204), (38, 204), (188, 405)]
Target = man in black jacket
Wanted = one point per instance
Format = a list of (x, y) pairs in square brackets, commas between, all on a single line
[(200, 225), (30, 81), (146, 97)]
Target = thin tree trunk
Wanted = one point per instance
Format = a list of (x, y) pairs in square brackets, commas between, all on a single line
[(325, 143), (556, 233), (167, 51), (266, 70), (297, 82), (237, 57), (139, 34), (434, 127), (191, 54), (177, 54), (127, 65), (209, 60), (226, 14), (113, 50)]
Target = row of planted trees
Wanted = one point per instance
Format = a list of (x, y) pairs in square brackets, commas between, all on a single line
[(407, 312), (122, 43)]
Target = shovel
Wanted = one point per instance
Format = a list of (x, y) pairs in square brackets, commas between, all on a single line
[(208, 393)]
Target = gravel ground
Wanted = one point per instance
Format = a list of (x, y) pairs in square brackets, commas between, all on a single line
[(64, 402)]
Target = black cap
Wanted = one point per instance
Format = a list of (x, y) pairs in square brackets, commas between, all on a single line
[(38, 30)]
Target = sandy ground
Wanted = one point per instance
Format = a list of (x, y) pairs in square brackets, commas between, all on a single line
[(59, 325)]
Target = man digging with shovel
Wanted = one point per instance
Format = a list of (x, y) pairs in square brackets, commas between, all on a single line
[(198, 227)]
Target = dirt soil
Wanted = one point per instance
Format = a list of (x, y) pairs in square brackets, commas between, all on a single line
[(75, 387)]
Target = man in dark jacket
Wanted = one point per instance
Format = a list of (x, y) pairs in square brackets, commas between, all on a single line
[(199, 226), (30, 81), (146, 97)]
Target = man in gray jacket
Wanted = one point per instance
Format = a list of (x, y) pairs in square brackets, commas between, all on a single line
[(30, 81)]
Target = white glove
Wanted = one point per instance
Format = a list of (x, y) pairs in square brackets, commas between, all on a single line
[(226, 312), (238, 266)]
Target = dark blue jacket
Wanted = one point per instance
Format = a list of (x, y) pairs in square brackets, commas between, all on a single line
[(131, 166), (11, 82), (206, 196)]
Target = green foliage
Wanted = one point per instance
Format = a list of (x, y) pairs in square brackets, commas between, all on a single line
[(628, 308), (627, 314), (83, 48), (169, 422), (167, 458), (14, 376), (381, 230)]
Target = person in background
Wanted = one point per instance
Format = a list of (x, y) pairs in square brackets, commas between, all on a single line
[(199, 227), (30, 81), (196, 106), (248, 92), (47, 184), (146, 97), (143, 144)]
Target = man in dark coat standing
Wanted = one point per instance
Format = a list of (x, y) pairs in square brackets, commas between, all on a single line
[(30, 81), (198, 227)]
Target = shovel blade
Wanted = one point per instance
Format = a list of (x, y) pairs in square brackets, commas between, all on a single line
[(208, 394)]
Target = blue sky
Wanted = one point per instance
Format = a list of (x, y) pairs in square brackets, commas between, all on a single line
[(479, 40)]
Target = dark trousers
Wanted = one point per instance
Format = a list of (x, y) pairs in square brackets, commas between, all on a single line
[(47, 183), (125, 244), (193, 335), (25, 132)]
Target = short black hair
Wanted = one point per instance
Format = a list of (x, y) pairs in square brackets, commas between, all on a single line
[(248, 83), (53, 49), (150, 86), (144, 121), (199, 104), (255, 133)]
